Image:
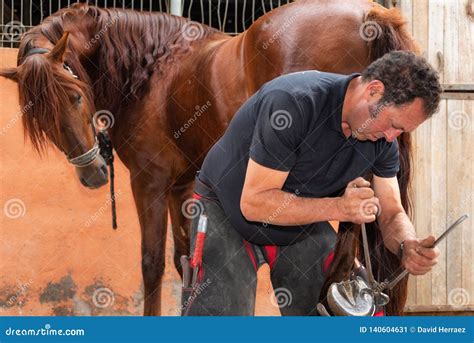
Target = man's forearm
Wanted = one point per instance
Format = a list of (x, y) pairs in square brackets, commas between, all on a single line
[(398, 228), (282, 208)]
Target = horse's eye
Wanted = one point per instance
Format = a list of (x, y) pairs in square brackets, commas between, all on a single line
[(78, 99)]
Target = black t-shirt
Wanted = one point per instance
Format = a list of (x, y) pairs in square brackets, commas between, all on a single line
[(293, 123)]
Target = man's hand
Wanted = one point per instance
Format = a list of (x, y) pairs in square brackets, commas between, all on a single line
[(418, 256), (358, 204)]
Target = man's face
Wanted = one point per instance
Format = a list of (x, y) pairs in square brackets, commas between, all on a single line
[(377, 120)]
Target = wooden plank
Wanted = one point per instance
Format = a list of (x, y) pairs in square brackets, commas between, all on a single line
[(421, 29), (467, 203), (470, 196), (458, 87), (420, 33), (459, 244), (460, 96), (437, 308), (461, 59), (437, 277), (437, 38), (406, 7), (424, 172), (422, 201), (458, 51)]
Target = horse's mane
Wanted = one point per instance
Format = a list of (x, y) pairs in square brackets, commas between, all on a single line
[(133, 45)]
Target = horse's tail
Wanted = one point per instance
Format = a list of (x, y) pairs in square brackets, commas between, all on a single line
[(388, 27), (391, 35)]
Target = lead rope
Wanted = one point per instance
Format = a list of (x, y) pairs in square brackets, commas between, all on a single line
[(107, 152)]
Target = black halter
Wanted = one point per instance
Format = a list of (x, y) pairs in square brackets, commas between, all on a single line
[(35, 51), (102, 145)]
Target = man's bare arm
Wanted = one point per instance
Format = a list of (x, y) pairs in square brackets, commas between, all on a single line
[(264, 201), (396, 227)]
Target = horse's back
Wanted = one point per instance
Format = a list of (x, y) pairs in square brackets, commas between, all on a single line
[(307, 34)]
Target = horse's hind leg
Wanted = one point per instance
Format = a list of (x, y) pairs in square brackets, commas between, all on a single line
[(151, 201), (179, 195)]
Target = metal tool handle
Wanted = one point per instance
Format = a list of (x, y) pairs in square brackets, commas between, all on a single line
[(397, 279), (368, 263)]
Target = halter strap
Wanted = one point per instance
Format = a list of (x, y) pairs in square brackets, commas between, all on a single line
[(34, 51), (87, 158)]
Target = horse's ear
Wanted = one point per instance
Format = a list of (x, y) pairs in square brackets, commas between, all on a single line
[(9, 73), (57, 54)]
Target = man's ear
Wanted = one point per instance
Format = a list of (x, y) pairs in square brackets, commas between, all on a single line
[(9, 73), (375, 87), (57, 54)]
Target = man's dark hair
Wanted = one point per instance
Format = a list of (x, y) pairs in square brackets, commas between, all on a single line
[(405, 76)]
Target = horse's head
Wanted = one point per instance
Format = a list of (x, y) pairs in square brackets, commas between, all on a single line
[(58, 107)]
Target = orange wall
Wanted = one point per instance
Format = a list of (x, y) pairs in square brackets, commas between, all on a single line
[(51, 261)]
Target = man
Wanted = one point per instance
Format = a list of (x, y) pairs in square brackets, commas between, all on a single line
[(294, 157)]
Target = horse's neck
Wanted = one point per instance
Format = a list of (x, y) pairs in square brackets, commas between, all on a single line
[(128, 47)]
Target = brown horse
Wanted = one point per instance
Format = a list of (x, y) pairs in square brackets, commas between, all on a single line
[(171, 87)]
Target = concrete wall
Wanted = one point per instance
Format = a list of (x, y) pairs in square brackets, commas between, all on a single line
[(58, 252)]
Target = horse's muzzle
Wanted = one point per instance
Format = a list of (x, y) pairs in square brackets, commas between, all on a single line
[(95, 175)]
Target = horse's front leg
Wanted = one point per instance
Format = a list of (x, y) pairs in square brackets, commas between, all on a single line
[(151, 201), (182, 210)]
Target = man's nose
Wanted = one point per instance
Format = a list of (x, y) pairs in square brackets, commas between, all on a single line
[(391, 134)]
